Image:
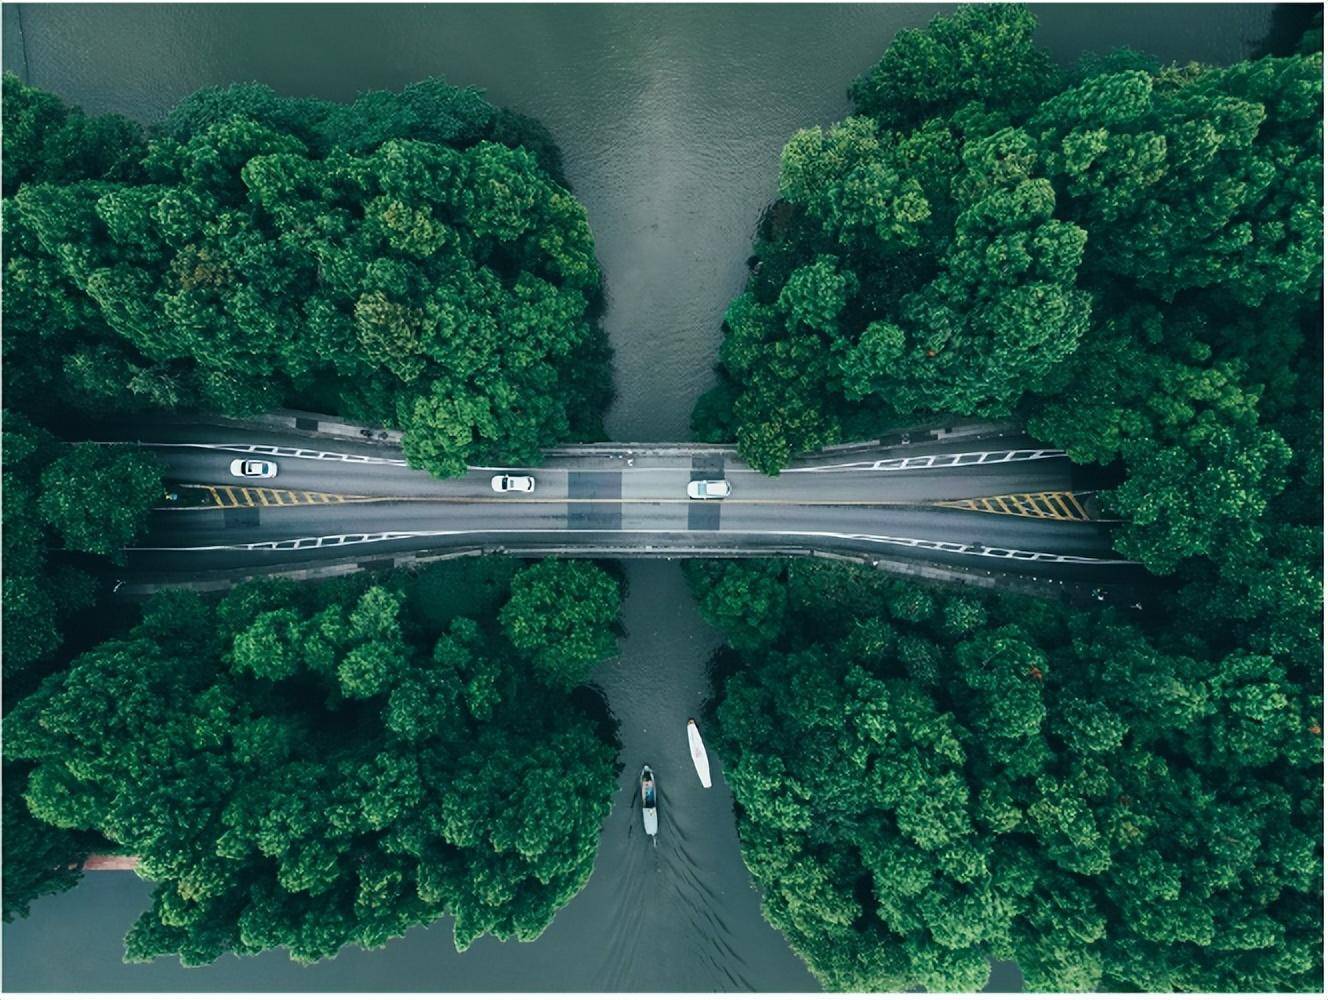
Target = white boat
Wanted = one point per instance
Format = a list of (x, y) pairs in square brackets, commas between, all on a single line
[(649, 815), (699, 757)]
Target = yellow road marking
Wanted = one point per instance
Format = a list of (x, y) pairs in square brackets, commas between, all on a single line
[(1059, 506)]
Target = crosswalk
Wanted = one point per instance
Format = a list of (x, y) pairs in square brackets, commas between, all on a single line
[(1056, 506)]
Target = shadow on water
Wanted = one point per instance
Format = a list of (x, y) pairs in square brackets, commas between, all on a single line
[(590, 699)]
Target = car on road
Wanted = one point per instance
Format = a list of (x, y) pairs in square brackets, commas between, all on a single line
[(513, 484), (709, 489), (253, 468)]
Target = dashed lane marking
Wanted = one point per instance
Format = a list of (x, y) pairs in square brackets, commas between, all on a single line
[(378, 537)]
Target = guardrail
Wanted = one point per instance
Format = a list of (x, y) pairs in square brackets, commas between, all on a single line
[(941, 427)]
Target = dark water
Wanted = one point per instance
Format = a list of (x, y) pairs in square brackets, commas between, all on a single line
[(671, 120)]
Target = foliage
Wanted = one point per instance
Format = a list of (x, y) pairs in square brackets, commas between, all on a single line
[(561, 615), (920, 788), (80, 498), (410, 259), (406, 260), (981, 54), (97, 498), (306, 767), (1127, 256), (38, 860)]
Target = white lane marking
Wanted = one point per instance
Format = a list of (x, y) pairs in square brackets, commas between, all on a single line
[(947, 461), (276, 451), (902, 464), (369, 538)]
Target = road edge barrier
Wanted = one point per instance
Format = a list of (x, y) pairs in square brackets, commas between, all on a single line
[(307, 423), (1031, 586)]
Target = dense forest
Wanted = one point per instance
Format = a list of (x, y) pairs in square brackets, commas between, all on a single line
[(1127, 257), (926, 779), (306, 766), (68, 509), (410, 260)]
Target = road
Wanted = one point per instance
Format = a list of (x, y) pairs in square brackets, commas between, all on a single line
[(337, 501)]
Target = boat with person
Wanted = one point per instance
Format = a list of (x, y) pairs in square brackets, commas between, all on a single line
[(699, 758), (649, 813)]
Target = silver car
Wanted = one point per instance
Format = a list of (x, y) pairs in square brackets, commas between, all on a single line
[(709, 489)]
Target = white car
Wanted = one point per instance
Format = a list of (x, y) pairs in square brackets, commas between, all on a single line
[(513, 484), (709, 489), (253, 468)]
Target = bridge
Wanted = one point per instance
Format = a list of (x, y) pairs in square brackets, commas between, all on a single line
[(996, 504)]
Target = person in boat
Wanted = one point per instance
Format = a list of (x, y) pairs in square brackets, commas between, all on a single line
[(648, 791)]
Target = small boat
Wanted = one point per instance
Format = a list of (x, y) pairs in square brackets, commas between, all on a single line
[(649, 814), (698, 749)]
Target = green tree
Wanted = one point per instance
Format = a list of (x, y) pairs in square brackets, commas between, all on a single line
[(1071, 792), (562, 615), (404, 260), (309, 767), (38, 860), (97, 498)]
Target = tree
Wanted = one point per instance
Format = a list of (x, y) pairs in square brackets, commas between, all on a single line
[(1067, 791), (38, 860), (561, 614), (984, 53), (97, 498), (309, 767), (389, 259)]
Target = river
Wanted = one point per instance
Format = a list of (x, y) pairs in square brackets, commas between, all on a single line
[(671, 120)]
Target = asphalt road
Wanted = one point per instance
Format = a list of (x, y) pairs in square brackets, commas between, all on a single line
[(334, 500)]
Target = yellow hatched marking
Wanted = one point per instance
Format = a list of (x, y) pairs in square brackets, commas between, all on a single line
[(1073, 501), (258, 496), (1055, 506), (1058, 505)]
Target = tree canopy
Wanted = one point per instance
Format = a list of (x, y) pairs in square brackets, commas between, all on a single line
[(410, 260), (921, 787), (307, 767), (1128, 256)]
